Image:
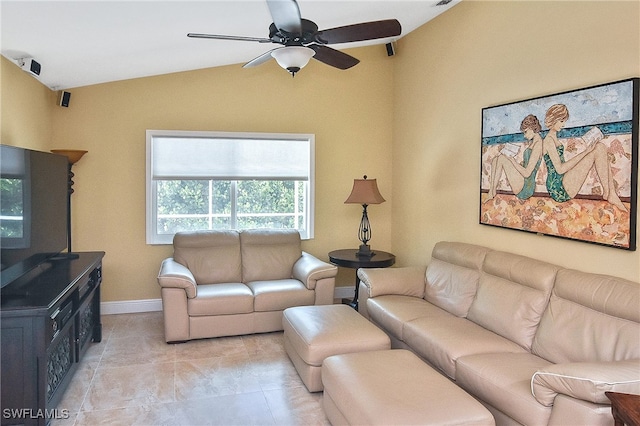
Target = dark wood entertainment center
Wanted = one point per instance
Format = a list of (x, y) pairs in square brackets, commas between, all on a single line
[(49, 316)]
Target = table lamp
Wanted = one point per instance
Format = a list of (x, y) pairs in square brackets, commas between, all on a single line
[(365, 191)]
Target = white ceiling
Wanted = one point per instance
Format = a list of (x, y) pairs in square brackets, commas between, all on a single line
[(79, 43)]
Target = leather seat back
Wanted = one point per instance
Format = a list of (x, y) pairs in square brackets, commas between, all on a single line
[(590, 317), (512, 295), (452, 276), (212, 256), (269, 254)]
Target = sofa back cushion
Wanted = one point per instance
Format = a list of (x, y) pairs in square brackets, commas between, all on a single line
[(269, 254), (512, 295), (452, 276), (211, 256), (590, 317)]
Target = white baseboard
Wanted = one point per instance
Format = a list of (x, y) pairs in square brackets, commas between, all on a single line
[(154, 305), (343, 292), (130, 306)]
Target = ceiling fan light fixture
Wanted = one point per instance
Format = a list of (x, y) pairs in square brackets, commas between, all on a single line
[(293, 58)]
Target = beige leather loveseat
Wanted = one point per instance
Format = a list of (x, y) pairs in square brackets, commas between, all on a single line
[(535, 343), (223, 283)]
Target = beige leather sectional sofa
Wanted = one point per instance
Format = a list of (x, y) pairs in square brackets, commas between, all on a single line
[(537, 344), (224, 283)]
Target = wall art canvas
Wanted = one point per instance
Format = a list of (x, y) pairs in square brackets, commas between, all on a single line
[(564, 165)]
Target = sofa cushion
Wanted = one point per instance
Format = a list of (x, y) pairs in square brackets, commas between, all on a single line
[(391, 312), (586, 380), (452, 276), (504, 381), (212, 256), (277, 295), (590, 317), (221, 299), (512, 295), (269, 254), (441, 343)]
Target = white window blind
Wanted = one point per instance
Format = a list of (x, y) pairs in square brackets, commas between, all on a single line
[(222, 180), (230, 158)]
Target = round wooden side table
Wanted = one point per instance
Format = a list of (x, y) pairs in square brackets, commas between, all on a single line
[(349, 259)]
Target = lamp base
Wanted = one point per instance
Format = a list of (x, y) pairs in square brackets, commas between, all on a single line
[(365, 251)]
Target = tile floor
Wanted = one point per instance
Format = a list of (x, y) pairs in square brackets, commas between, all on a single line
[(134, 378)]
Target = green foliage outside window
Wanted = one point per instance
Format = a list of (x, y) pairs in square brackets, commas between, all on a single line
[(185, 205), (11, 208)]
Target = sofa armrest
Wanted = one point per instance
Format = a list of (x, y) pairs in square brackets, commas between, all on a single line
[(175, 275), (309, 269), (406, 281), (587, 381)]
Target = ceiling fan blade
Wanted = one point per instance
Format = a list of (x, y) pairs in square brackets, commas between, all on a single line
[(260, 59), (360, 32), (333, 57), (286, 15), (226, 37)]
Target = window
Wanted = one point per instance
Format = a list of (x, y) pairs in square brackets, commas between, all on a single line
[(214, 180), (15, 196)]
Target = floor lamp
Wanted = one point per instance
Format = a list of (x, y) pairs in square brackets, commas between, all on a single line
[(73, 156)]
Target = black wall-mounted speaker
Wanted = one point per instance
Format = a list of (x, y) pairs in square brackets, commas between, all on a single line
[(35, 67), (391, 49), (30, 65), (65, 97)]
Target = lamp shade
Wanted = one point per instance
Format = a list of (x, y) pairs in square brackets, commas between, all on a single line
[(73, 155), (365, 191), (293, 58)]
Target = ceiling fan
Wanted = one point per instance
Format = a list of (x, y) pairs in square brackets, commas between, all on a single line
[(301, 40)]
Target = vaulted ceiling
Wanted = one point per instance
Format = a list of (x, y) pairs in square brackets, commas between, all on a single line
[(78, 43)]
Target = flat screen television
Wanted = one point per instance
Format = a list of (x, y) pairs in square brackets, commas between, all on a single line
[(33, 209)]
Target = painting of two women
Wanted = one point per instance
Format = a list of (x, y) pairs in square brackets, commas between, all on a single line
[(564, 165)]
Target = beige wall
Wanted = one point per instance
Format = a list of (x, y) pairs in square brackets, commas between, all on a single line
[(350, 114), (480, 54), (411, 121), (26, 108)]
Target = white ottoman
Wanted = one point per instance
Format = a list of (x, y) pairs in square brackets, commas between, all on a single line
[(394, 387), (312, 333)]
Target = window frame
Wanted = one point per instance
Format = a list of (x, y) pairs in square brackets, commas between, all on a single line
[(151, 208)]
